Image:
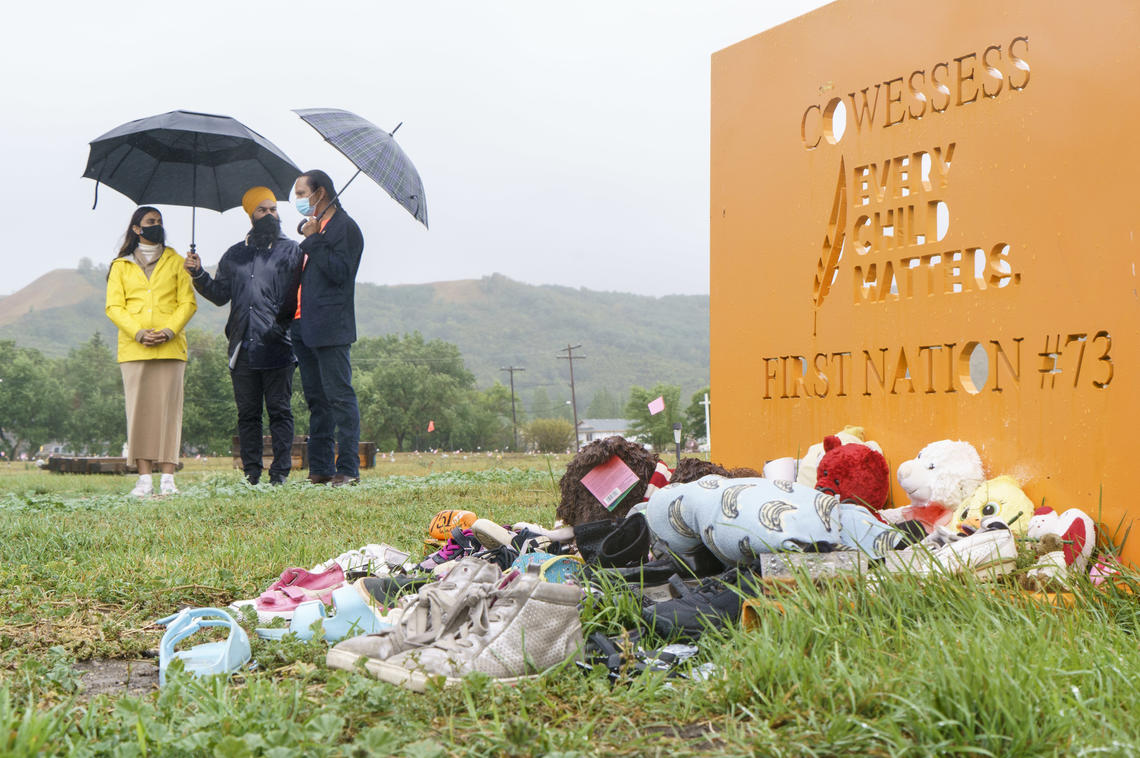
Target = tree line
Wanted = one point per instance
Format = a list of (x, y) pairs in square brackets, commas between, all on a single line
[(414, 394)]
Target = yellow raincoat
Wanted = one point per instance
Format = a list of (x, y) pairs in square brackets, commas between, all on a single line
[(165, 301)]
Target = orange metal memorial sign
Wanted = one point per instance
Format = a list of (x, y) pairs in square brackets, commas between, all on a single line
[(924, 221)]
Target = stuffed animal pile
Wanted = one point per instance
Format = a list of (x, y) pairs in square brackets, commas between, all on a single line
[(837, 501)]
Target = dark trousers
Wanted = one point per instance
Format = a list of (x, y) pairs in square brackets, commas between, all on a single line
[(274, 388), (326, 380)]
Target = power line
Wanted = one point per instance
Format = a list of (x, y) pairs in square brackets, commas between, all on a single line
[(514, 420), (569, 350)]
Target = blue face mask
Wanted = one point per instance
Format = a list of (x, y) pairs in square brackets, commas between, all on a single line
[(303, 206)]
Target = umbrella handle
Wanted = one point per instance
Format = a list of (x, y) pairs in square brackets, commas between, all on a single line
[(193, 226)]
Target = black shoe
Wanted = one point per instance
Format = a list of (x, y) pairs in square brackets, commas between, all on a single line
[(319, 479), (614, 544), (697, 564), (503, 556), (387, 588), (715, 603)]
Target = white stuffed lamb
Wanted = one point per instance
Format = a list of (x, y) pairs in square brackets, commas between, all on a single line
[(941, 476)]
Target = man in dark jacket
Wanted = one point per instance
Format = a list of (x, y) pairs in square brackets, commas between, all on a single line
[(258, 277), (326, 328)]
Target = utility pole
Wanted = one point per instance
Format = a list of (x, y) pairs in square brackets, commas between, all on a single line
[(569, 350), (708, 429), (514, 420)]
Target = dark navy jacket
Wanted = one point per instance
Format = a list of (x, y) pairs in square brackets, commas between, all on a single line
[(328, 283), (261, 287)]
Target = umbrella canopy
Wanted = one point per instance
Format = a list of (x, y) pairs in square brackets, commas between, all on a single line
[(374, 152), (187, 158)]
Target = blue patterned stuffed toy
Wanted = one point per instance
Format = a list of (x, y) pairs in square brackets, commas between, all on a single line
[(737, 519)]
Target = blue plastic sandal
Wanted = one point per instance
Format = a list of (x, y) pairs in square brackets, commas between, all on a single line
[(206, 659), (353, 617), (301, 623)]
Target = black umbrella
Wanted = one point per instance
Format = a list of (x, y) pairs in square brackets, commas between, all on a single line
[(373, 151), (187, 158)]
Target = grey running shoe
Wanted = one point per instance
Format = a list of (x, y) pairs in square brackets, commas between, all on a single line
[(423, 616), (514, 631)]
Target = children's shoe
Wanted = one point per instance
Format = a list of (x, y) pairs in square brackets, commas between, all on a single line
[(144, 487), (490, 534), (986, 554), (386, 590), (424, 616), (515, 630), (352, 617), (166, 485), (374, 559), (208, 658), (461, 543), (293, 587), (716, 602)]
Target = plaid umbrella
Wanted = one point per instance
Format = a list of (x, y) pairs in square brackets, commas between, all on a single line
[(187, 158), (374, 152)]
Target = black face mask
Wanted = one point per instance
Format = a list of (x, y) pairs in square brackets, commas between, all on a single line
[(154, 234), (265, 231)]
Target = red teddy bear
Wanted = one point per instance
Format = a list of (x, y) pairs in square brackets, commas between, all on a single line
[(854, 473)]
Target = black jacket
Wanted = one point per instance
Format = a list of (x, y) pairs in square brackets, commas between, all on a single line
[(261, 287), (328, 283)]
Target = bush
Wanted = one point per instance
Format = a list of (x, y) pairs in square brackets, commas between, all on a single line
[(550, 435)]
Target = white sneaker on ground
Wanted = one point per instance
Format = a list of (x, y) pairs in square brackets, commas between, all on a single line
[(144, 487), (985, 554), (166, 486)]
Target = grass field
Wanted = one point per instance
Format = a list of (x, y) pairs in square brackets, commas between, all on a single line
[(895, 667)]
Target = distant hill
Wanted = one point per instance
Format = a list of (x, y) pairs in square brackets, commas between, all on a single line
[(54, 289), (496, 322)]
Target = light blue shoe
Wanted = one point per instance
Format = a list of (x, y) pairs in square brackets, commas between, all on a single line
[(353, 617), (206, 659), (560, 569)]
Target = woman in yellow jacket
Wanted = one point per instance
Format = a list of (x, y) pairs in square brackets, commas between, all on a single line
[(150, 298)]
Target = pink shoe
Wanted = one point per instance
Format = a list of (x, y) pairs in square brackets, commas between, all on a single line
[(299, 577), (288, 598), (462, 543)]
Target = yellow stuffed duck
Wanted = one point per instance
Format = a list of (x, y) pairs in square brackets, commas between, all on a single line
[(1000, 498)]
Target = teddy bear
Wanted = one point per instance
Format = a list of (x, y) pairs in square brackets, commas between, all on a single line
[(807, 466), (1000, 498), (1064, 543), (937, 480), (854, 473), (578, 505)]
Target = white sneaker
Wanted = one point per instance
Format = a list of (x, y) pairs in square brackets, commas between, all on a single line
[(985, 554), (144, 487), (166, 486)]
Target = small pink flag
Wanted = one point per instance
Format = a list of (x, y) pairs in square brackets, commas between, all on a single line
[(656, 406), (431, 426)]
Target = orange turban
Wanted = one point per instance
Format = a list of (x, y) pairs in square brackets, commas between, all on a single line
[(254, 197)]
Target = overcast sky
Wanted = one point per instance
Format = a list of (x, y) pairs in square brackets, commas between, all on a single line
[(558, 143)]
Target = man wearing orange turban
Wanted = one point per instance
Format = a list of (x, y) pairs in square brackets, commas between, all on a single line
[(258, 277)]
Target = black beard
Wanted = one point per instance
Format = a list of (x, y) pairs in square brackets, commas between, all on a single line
[(265, 232)]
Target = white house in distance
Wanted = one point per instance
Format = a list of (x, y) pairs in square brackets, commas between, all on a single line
[(599, 428)]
